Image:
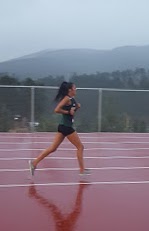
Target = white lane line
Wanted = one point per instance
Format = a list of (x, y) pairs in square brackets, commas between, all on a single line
[(40, 169), (76, 169), (64, 143), (80, 134), (74, 158), (73, 149), (22, 143), (74, 183)]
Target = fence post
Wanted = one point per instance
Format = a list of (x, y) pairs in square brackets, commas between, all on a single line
[(32, 108), (99, 109)]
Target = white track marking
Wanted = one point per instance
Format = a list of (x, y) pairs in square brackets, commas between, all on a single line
[(75, 183), (74, 158), (67, 143), (49, 136), (73, 149), (76, 169)]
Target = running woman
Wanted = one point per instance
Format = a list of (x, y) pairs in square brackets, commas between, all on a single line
[(66, 106)]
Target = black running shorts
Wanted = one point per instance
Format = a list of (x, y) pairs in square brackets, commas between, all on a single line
[(65, 130)]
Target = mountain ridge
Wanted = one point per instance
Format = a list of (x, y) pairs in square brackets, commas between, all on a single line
[(65, 62)]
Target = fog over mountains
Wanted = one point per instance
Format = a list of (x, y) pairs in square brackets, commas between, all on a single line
[(68, 61)]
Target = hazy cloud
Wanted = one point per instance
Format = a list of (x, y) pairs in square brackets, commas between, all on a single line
[(28, 26)]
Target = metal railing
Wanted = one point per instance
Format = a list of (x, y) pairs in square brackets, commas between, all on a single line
[(31, 108)]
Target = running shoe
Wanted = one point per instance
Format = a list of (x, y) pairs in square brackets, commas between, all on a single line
[(85, 172), (31, 167)]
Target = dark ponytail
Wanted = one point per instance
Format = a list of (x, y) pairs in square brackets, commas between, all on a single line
[(63, 90)]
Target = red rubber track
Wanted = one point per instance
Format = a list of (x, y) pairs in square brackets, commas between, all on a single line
[(114, 197)]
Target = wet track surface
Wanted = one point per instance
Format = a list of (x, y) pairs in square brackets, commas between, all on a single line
[(113, 197)]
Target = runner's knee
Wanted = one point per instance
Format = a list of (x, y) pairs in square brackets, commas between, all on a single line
[(52, 149), (80, 147)]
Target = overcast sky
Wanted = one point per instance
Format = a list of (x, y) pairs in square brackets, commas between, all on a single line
[(28, 26)]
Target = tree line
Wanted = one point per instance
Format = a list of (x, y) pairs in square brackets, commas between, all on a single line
[(127, 79)]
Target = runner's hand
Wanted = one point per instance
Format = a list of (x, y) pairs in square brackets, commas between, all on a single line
[(72, 111)]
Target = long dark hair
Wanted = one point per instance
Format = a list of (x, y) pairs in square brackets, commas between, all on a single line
[(63, 90)]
